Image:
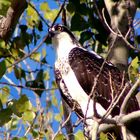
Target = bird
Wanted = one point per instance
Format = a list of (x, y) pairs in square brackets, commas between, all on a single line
[(87, 82)]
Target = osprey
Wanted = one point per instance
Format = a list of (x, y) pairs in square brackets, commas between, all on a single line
[(76, 71)]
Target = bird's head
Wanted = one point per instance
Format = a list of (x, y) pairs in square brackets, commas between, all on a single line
[(60, 33)]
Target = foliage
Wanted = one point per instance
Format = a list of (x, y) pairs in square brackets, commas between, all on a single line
[(30, 104)]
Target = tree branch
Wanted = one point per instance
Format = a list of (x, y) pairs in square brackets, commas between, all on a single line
[(8, 23), (108, 125), (128, 96)]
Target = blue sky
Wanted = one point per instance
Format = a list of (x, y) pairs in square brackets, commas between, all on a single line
[(50, 58)]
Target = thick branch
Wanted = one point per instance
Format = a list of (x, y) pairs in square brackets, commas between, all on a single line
[(8, 23), (121, 14), (107, 125)]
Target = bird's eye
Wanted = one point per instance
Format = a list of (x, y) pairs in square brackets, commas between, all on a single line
[(59, 28)]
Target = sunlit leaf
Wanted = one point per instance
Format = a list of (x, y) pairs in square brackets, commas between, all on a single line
[(8, 62), (46, 75), (4, 94), (50, 15), (61, 109), (44, 7), (32, 17), (21, 105), (79, 135), (103, 136), (19, 138), (58, 117), (4, 5), (134, 69), (36, 56), (54, 101), (60, 137), (28, 116), (14, 123)]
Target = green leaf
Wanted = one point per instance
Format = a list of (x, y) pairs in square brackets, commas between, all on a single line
[(34, 133), (54, 101), (18, 138), (71, 7), (2, 68), (4, 95), (46, 75), (77, 20), (44, 7), (58, 117), (50, 15), (14, 123), (36, 56), (19, 73), (60, 137), (4, 5), (133, 69), (103, 136), (22, 105), (32, 17), (8, 62), (79, 135), (5, 116), (28, 116), (135, 63), (61, 109)]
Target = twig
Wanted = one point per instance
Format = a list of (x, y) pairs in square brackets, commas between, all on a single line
[(99, 15), (62, 125), (59, 13), (114, 103), (125, 40), (11, 82), (28, 88), (128, 96), (108, 25), (39, 14), (119, 34), (30, 127), (28, 55)]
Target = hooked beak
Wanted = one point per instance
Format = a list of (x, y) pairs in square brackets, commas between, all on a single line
[(51, 32)]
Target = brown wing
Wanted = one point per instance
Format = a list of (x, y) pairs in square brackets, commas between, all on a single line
[(111, 81)]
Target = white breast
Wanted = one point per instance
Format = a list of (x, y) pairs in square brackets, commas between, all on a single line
[(76, 91)]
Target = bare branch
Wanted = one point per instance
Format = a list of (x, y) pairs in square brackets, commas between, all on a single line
[(28, 88), (62, 125), (128, 96), (121, 119)]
